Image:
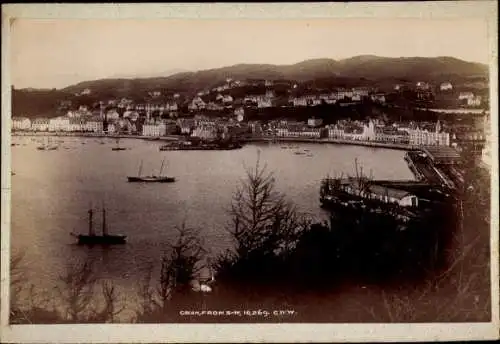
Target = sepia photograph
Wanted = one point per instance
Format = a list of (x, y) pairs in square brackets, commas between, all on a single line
[(241, 167)]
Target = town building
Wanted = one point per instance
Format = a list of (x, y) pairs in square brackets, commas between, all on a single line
[(40, 124), (77, 124), (422, 85), (465, 95), (153, 129), (197, 104), (264, 102), (60, 123), (205, 132), (446, 86), (427, 137), (94, 124), (314, 122), (474, 101), (21, 123)]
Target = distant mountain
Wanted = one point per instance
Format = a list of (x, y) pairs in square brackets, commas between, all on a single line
[(365, 67), (148, 74)]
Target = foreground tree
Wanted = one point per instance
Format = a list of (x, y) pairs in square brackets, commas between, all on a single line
[(265, 226), (181, 263)]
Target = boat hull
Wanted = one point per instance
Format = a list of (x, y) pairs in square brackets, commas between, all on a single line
[(151, 179), (101, 239)]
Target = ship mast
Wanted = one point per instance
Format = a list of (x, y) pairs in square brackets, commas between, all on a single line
[(104, 227), (161, 168), (140, 170), (91, 229)]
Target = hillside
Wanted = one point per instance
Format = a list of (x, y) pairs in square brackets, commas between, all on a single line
[(366, 66), (322, 74)]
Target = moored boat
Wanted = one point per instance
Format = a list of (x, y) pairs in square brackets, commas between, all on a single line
[(151, 179), (94, 239)]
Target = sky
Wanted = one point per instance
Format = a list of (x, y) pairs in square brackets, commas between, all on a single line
[(56, 53)]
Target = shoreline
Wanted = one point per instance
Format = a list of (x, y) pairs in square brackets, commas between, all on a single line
[(371, 144)]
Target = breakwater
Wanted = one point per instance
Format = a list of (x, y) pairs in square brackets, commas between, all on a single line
[(399, 146), (387, 145)]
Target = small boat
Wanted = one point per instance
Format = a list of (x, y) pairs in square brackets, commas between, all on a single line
[(151, 179), (94, 239), (299, 153), (118, 148)]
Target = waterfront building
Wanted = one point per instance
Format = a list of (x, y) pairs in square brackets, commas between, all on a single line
[(131, 115), (21, 123), (392, 135), (186, 125), (94, 124), (255, 127), (112, 115), (40, 124), (427, 137), (205, 132), (60, 123), (336, 132), (77, 124), (154, 129), (112, 129)]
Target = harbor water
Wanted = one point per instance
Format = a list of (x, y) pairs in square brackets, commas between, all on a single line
[(53, 190)]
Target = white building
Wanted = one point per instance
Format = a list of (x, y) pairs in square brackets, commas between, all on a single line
[(429, 138), (314, 122), (301, 101), (264, 102), (112, 115), (77, 124), (270, 94), (154, 129), (474, 101), (171, 107), (446, 86), (227, 99), (40, 124), (59, 124), (21, 123), (197, 104), (465, 95), (422, 85), (379, 98), (95, 125), (206, 132)]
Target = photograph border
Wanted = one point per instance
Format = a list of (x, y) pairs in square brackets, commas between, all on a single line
[(129, 333)]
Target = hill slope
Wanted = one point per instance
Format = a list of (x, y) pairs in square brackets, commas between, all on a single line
[(366, 66)]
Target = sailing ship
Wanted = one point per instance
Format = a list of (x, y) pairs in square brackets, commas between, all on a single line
[(94, 239), (151, 179), (118, 148)]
